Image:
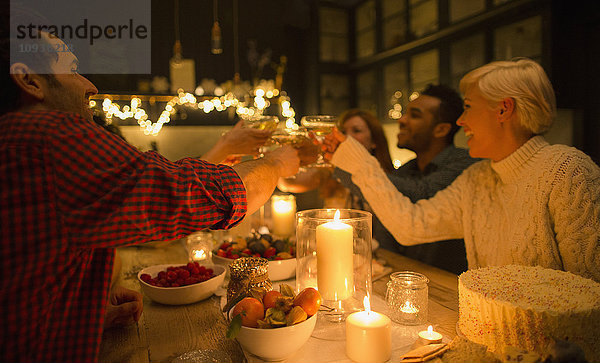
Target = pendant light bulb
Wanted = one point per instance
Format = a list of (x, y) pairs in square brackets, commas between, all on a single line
[(216, 44)]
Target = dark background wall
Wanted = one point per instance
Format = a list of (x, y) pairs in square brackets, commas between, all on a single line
[(278, 27), (575, 71), (290, 28)]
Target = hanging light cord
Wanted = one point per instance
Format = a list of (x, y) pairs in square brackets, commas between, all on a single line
[(236, 56), (215, 11), (177, 46), (176, 20)]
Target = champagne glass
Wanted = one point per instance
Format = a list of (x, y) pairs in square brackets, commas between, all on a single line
[(319, 126), (262, 122), (289, 136)]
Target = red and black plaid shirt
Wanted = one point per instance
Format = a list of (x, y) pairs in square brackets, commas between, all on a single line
[(70, 192)]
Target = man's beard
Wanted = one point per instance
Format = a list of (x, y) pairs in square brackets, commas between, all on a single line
[(64, 100)]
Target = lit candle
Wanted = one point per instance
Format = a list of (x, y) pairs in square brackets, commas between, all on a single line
[(368, 336), (335, 246), (199, 246), (429, 336), (283, 212), (409, 308), (198, 255)]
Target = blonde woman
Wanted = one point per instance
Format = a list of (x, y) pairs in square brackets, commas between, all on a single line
[(528, 203)]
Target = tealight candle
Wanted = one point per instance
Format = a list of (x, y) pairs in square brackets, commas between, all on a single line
[(199, 246), (368, 336), (283, 212), (429, 336), (335, 249), (409, 308), (198, 255)]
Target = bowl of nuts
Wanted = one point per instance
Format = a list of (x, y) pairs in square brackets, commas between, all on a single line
[(275, 324), (181, 284), (280, 253)]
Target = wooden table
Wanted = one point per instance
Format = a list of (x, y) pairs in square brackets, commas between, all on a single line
[(165, 332)]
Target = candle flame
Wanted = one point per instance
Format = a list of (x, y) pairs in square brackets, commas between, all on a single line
[(336, 216), (199, 255), (430, 329), (409, 308), (367, 304)]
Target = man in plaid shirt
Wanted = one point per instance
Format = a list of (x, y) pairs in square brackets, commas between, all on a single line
[(70, 192)]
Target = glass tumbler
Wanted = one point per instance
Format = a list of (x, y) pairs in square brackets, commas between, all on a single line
[(407, 297)]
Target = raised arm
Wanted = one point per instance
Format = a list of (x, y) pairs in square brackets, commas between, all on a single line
[(237, 141), (439, 218), (260, 176)]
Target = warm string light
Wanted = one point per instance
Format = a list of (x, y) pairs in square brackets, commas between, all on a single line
[(396, 111), (134, 109)]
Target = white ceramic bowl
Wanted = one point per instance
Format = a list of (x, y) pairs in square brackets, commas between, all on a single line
[(278, 269), (276, 344), (184, 294)]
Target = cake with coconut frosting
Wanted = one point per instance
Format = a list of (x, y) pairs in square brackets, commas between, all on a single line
[(529, 307)]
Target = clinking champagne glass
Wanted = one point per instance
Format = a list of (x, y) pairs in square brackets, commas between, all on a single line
[(319, 126), (294, 137), (261, 122), (289, 136)]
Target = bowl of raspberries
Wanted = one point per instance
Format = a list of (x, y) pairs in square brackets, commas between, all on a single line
[(181, 284)]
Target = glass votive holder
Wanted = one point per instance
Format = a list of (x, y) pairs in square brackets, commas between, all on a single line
[(333, 254), (199, 246), (283, 214), (407, 297)]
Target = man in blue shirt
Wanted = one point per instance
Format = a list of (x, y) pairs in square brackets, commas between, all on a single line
[(427, 127)]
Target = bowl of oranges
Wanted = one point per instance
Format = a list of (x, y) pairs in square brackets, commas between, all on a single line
[(275, 324), (279, 251)]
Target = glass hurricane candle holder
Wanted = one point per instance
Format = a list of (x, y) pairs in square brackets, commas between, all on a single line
[(333, 254), (407, 297)]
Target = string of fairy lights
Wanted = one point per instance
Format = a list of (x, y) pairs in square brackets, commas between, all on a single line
[(261, 99)]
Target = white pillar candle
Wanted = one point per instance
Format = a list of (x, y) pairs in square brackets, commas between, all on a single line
[(283, 213), (429, 336), (335, 247), (368, 336)]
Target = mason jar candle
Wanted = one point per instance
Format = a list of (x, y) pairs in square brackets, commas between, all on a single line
[(407, 297)]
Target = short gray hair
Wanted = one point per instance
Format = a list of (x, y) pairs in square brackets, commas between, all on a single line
[(522, 80)]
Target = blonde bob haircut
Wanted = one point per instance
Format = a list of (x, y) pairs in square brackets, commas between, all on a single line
[(525, 82)]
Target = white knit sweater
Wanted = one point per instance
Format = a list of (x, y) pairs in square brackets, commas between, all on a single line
[(539, 206)]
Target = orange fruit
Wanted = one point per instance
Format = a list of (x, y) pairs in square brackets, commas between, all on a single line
[(270, 298), (251, 310), (309, 300)]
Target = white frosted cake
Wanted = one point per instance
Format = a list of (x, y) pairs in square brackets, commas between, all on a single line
[(529, 307)]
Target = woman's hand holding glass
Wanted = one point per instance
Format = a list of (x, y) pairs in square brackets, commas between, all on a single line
[(319, 127), (308, 152), (331, 143)]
